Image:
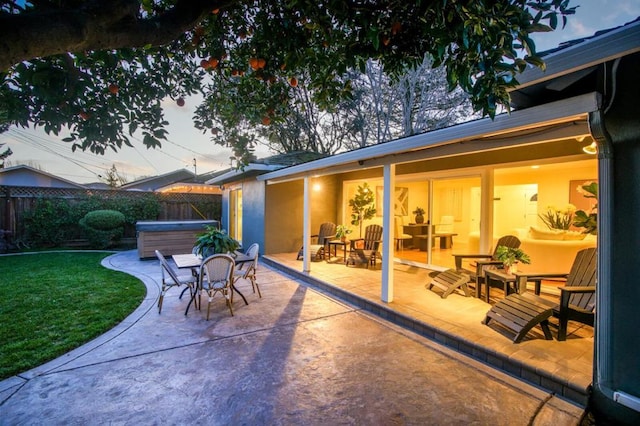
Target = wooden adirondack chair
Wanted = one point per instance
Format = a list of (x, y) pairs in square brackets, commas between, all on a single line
[(368, 253), (577, 299), (327, 233), (484, 260)]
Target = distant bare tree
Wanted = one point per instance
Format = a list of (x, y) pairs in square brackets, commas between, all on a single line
[(113, 178), (417, 101), (3, 155)]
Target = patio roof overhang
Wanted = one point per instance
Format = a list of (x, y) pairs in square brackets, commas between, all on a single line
[(562, 119)]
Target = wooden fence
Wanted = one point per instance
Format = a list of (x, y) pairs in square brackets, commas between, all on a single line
[(15, 201)]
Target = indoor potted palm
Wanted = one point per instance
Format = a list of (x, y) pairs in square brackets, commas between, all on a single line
[(510, 257), (214, 241), (362, 206)]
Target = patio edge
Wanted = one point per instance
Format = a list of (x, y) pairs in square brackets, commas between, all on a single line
[(530, 374)]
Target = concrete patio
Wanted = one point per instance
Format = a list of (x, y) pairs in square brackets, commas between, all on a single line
[(295, 356)]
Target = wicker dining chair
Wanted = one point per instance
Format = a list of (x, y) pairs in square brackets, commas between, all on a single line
[(248, 272), (216, 276), (171, 279)]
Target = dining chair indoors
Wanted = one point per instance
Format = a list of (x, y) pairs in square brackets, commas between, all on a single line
[(216, 276), (171, 279), (248, 270)]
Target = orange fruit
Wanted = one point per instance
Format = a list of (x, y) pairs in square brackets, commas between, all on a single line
[(84, 115), (266, 120), (385, 41), (395, 28), (113, 88), (213, 62), (261, 62), (253, 63), (215, 11), (293, 82), (204, 64)]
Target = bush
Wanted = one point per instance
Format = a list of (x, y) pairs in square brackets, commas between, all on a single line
[(104, 220), (103, 228), (46, 224)]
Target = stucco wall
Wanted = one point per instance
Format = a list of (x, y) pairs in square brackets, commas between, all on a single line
[(284, 211)]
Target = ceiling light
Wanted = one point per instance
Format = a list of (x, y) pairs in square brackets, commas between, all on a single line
[(591, 149)]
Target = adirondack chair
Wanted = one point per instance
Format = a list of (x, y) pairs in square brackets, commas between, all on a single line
[(577, 300), (484, 260), (365, 250), (327, 233)]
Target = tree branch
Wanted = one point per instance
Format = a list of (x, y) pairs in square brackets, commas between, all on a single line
[(98, 25)]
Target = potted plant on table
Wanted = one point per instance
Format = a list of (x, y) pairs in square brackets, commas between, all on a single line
[(342, 231), (214, 241), (419, 212), (510, 257)]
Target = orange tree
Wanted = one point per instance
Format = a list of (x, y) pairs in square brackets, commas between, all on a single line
[(101, 68)]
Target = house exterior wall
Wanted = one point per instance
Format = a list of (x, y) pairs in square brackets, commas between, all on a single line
[(284, 211), (618, 322), (253, 208)]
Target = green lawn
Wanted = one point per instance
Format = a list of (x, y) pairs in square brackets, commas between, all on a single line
[(51, 303)]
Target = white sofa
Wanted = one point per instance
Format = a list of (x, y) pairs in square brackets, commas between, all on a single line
[(547, 255)]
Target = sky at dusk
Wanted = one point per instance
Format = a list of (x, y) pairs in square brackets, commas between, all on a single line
[(185, 143)]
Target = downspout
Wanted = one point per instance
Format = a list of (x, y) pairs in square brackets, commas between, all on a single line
[(602, 365)]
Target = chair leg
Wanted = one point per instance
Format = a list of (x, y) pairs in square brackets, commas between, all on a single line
[(229, 300), (254, 284), (160, 302), (562, 329)]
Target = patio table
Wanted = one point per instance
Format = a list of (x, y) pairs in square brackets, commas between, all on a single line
[(193, 261)]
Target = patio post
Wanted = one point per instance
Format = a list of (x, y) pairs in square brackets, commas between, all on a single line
[(389, 184), (306, 227), (486, 210)]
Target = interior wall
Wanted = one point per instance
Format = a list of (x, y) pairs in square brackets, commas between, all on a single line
[(284, 211), (283, 217), (553, 181)]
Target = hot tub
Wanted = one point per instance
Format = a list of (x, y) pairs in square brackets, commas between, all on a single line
[(170, 237)]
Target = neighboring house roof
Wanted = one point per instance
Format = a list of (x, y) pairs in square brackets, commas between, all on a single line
[(28, 176), (153, 183), (556, 102), (97, 185), (264, 165)]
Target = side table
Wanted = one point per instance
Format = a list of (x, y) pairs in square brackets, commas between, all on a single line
[(335, 244), (519, 282)]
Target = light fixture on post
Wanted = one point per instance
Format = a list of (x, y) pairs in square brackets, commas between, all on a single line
[(591, 149)]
